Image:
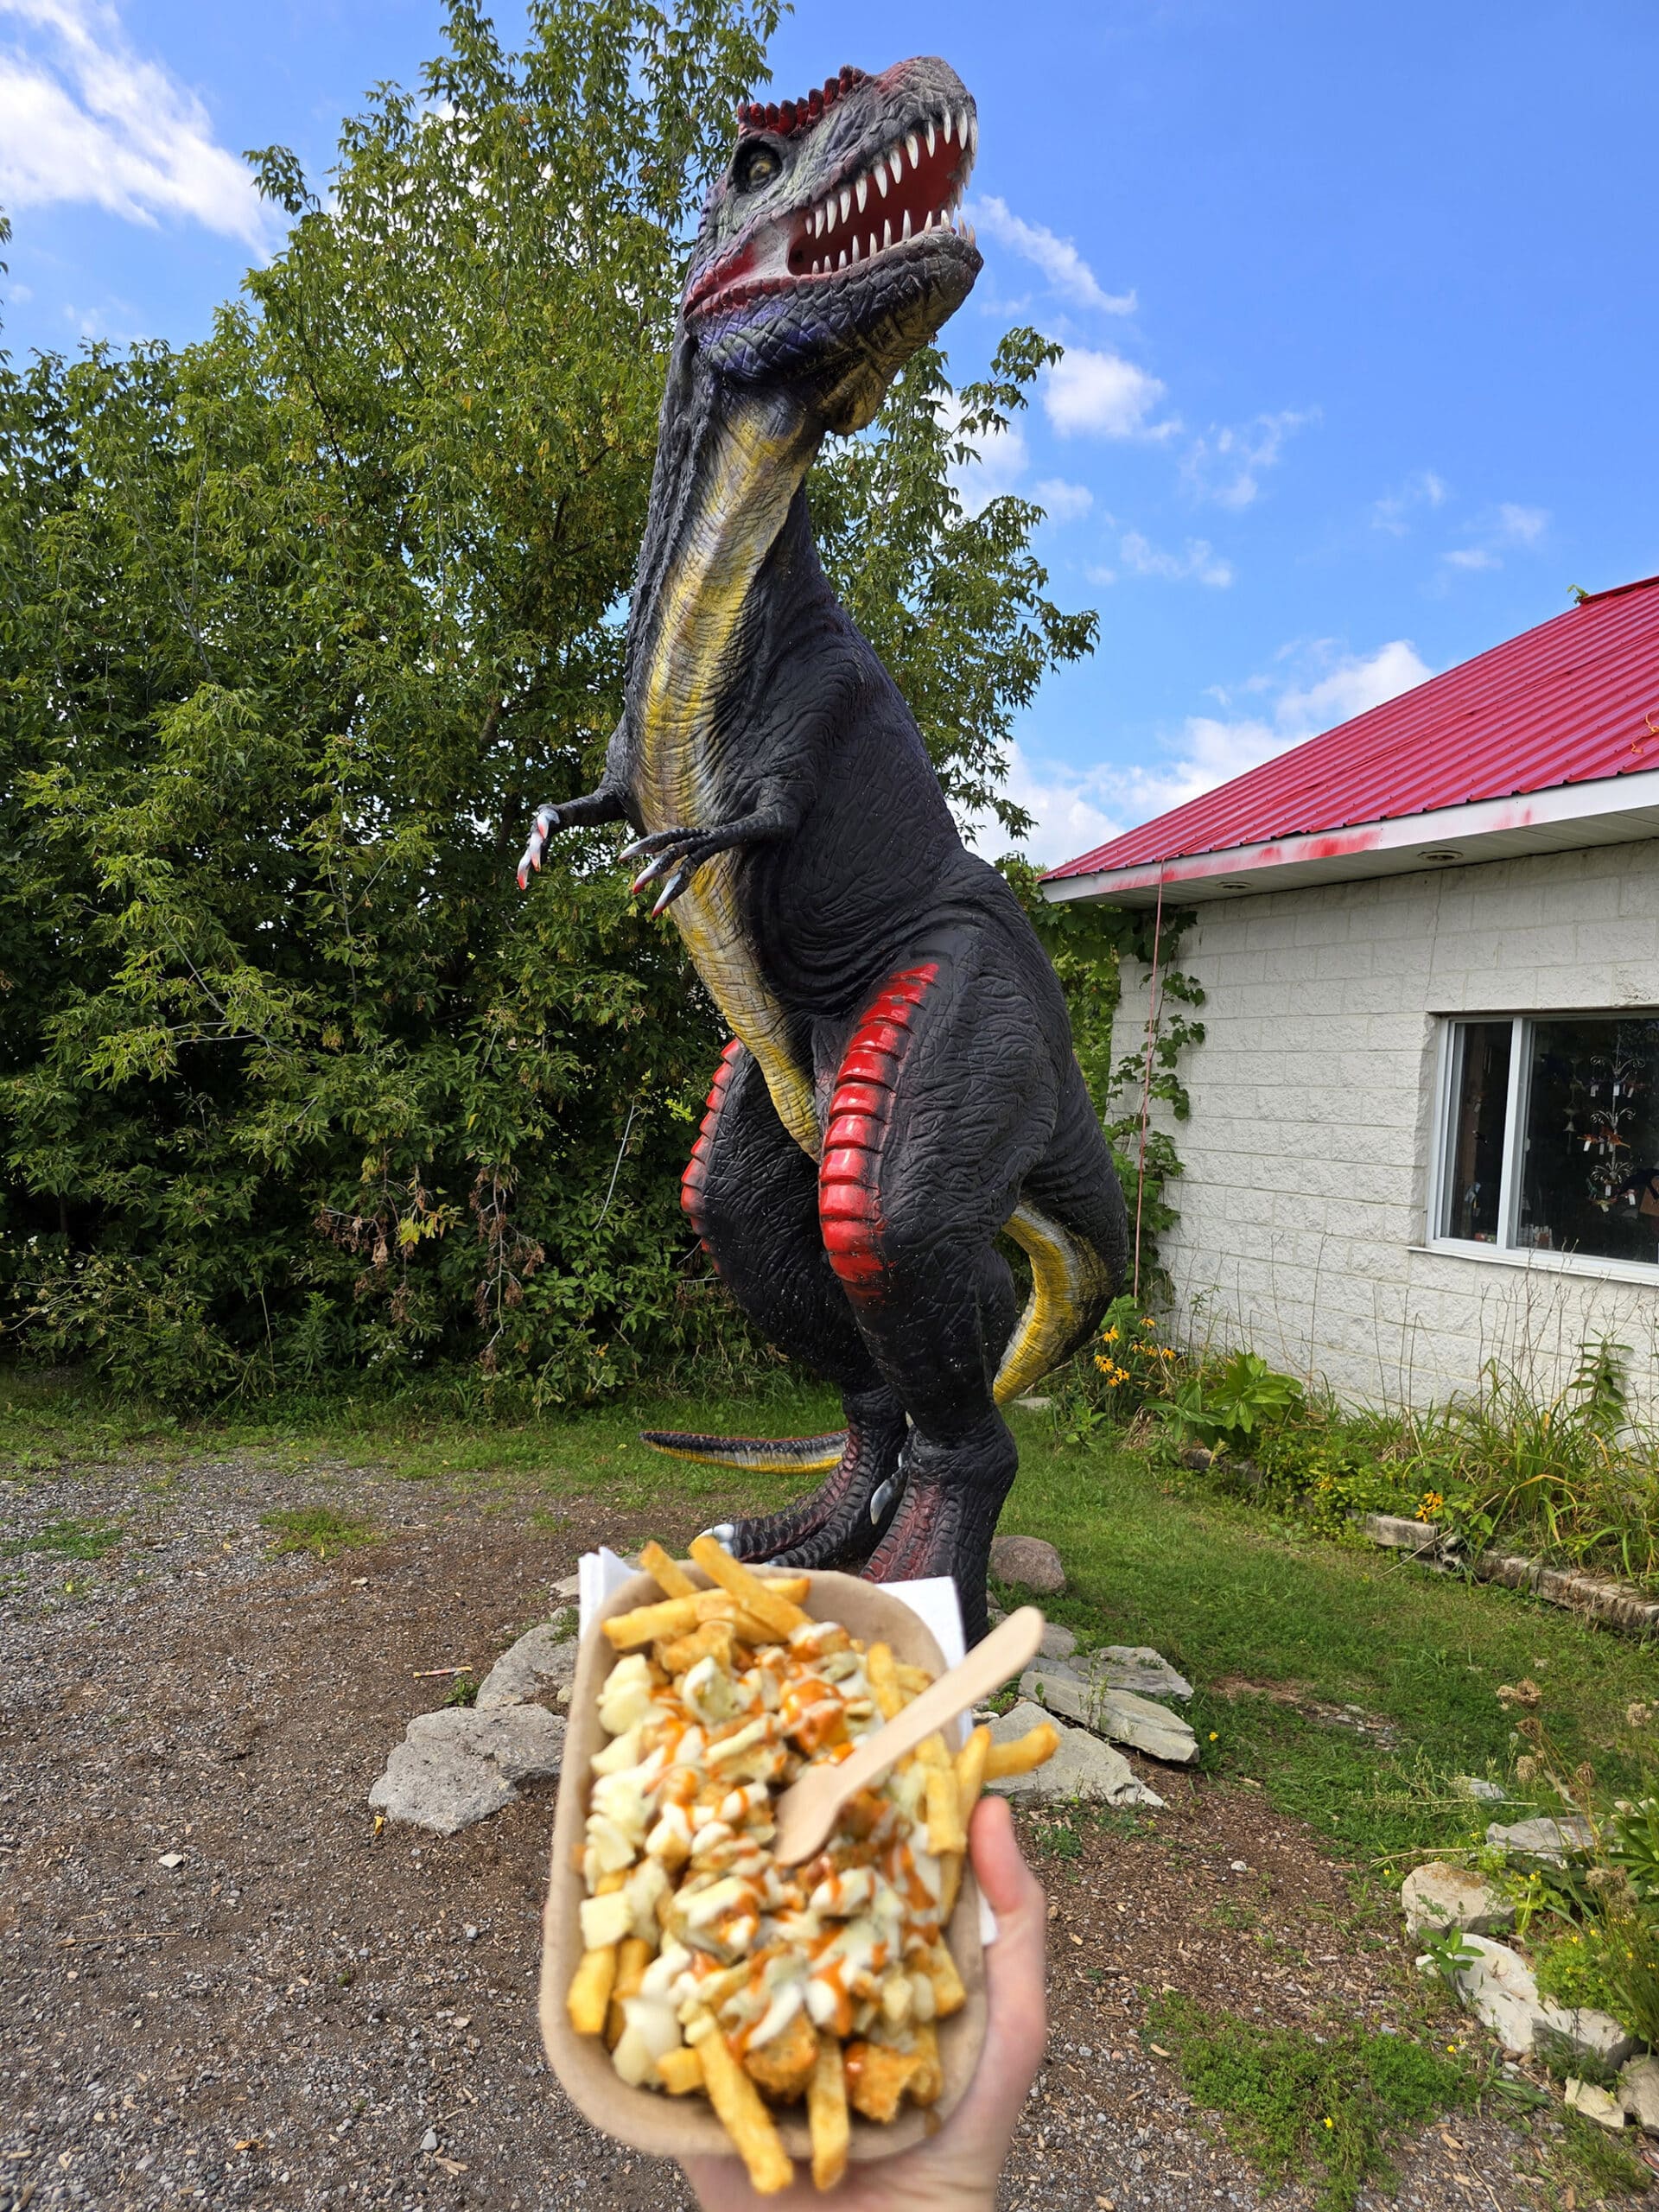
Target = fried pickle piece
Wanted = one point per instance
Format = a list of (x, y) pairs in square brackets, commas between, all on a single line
[(783, 2066), (877, 2077)]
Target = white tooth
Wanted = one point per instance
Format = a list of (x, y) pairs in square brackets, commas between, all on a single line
[(906, 228), (861, 192), (947, 126), (887, 234), (856, 249), (896, 163), (973, 134), (815, 267), (914, 149), (930, 140), (872, 247), (973, 235), (841, 264), (880, 173), (846, 202), (962, 126)]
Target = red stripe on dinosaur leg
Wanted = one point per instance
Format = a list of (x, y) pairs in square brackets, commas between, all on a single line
[(695, 1180), (849, 1198)]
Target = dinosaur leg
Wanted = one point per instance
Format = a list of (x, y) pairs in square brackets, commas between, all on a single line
[(949, 1100), (751, 1194)]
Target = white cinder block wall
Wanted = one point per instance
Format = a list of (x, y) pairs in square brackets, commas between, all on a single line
[(1303, 1197)]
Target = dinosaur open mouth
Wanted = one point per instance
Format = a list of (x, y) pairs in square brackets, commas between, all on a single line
[(914, 186)]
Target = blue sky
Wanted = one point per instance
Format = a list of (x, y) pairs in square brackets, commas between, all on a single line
[(1360, 304)]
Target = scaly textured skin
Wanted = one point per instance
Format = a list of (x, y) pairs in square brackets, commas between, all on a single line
[(901, 1086)]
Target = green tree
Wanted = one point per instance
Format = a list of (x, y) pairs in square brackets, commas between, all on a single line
[(297, 624)]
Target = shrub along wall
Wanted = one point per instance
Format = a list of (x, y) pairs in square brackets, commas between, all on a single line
[(296, 625)]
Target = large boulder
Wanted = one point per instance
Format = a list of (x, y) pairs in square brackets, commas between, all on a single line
[(1082, 1767), (1438, 1896), (1119, 1715), (539, 1669), (1028, 1562), (1550, 1841), (458, 1765), (1498, 1987)]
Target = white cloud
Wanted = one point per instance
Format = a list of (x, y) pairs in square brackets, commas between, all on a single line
[(83, 117), (1227, 465), (1422, 489), (1060, 501), (1521, 526), (1508, 529), (1059, 258), (1103, 396), (1197, 562), (1078, 808)]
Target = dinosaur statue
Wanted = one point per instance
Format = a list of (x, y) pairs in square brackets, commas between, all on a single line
[(901, 1086)]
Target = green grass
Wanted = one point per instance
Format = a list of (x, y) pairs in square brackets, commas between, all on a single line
[(318, 1528), (1296, 2104), (68, 1540)]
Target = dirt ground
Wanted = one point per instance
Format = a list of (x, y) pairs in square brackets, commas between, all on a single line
[(284, 2016)]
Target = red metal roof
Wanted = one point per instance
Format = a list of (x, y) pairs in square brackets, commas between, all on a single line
[(1575, 701)]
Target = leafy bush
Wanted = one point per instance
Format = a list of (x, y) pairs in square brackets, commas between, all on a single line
[(1224, 1407)]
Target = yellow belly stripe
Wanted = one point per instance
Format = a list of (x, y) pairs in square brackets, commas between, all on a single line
[(754, 476)]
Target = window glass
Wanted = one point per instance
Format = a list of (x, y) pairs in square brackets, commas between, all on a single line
[(1475, 1156), (1590, 1162)]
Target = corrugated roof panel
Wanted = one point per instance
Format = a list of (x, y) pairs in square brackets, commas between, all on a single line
[(1574, 701)]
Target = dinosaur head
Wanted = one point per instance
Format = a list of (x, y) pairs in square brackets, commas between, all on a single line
[(832, 248)]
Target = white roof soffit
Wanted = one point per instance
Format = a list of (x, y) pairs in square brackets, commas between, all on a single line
[(1613, 810)]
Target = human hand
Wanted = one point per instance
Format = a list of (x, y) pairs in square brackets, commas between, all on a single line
[(956, 2170)]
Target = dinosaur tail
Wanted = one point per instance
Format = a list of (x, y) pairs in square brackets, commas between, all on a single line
[(781, 1455), (1070, 1282)]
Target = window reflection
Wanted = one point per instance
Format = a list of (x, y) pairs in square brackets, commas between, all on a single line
[(1589, 1162), (1475, 1162)]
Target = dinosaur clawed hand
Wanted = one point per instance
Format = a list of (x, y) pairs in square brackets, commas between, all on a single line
[(676, 854), (546, 821)]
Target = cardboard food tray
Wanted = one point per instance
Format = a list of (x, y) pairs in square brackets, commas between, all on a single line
[(673, 2127)]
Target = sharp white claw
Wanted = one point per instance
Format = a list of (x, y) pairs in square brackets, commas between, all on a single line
[(722, 1532), (881, 1502)]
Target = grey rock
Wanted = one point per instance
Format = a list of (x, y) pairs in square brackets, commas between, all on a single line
[(1399, 1534), (569, 1589), (1082, 1768), (1134, 1666), (1057, 1642), (1118, 1715), (540, 1666), (458, 1765), (441, 1786), (430, 2140), (1437, 1896), (1638, 2089), (1029, 1562), (1600, 2105), (526, 1741), (1477, 1791), (1552, 1841), (1034, 1405), (1498, 1988)]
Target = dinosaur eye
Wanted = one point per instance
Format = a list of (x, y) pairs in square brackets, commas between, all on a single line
[(754, 167)]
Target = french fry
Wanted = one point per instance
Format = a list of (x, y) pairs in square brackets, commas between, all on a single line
[(671, 1579), (681, 2070), (588, 1998), (883, 1679), (927, 2083), (949, 1995), (633, 1957), (783, 2066), (877, 2077), (945, 1830), (761, 1598), (680, 1656), (826, 2115), (911, 1680), (646, 1625), (740, 2112), (970, 1780), (1026, 1753)]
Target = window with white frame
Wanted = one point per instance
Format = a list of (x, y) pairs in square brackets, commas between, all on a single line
[(1549, 1136)]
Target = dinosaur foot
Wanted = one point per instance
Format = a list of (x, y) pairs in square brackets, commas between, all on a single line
[(947, 1516), (845, 1518)]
